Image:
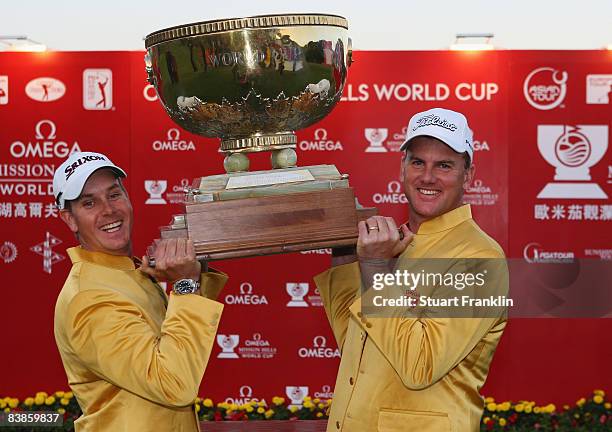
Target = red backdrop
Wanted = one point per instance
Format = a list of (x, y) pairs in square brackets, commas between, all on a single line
[(517, 103)]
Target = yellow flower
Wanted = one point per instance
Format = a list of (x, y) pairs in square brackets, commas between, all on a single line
[(599, 392), (269, 413), (68, 395), (319, 414), (320, 406), (528, 409), (261, 404), (250, 409), (7, 410), (261, 410), (64, 401), (13, 403), (233, 407), (502, 422), (293, 408), (607, 405), (486, 420), (308, 404), (59, 394), (62, 411), (489, 400), (198, 407), (29, 401), (519, 408), (316, 400), (566, 407), (39, 399), (537, 410), (580, 402), (504, 406), (2, 404), (491, 406), (50, 400), (597, 399), (43, 394), (208, 403), (307, 398), (550, 408), (278, 400)]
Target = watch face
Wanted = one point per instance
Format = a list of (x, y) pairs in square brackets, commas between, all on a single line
[(185, 286)]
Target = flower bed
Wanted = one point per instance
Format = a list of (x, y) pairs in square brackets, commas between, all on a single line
[(593, 414)]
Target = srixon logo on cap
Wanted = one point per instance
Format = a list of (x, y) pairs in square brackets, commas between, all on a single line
[(80, 161), (434, 120)]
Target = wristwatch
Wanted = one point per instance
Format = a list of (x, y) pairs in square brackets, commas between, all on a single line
[(185, 286)]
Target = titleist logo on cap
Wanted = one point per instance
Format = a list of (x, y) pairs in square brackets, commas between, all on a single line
[(434, 120), (70, 169)]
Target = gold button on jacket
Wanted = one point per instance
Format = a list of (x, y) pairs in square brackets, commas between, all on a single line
[(134, 358), (413, 374)]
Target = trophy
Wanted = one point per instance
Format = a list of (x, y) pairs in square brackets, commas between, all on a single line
[(252, 82)]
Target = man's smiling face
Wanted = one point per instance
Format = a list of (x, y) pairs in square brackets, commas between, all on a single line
[(434, 177), (102, 215)]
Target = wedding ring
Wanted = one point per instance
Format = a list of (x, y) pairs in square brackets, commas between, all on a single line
[(374, 228)]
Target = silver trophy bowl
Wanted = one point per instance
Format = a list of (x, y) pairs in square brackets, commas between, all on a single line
[(252, 82)]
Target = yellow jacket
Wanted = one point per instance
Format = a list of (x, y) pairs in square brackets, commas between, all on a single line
[(134, 358), (411, 374)]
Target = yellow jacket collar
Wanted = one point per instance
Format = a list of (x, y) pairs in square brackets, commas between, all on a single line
[(446, 221), (119, 262)]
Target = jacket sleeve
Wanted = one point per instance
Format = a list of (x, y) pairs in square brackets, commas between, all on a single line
[(339, 287), (111, 336), (422, 350)]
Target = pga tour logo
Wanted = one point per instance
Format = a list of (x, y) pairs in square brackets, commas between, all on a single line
[(545, 88), (97, 89), (572, 151), (296, 394), (320, 142), (319, 349), (45, 89), (228, 344), (246, 296), (4, 90), (173, 142), (534, 253), (155, 189)]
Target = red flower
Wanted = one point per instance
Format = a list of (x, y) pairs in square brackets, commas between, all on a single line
[(218, 416), (513, 418), (490, 425)]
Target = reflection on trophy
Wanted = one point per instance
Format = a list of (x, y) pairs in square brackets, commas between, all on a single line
[(297, 291), (252, 82), (572, 150), (228, 344), (376, 138), (155, 189)]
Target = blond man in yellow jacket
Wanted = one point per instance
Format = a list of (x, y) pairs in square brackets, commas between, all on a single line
[(405, 372), (134, 357)]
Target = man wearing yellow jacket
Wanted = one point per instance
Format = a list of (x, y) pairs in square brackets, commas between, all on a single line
[(134, 357), (414, 373)]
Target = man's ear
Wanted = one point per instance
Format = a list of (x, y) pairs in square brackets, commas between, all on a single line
[(469, 176), (69, 219)]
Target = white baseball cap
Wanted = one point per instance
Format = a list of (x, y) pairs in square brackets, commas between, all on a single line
[(71, 175), (448, 126)]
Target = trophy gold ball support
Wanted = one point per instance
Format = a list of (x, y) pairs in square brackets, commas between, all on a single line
[(252, 82)]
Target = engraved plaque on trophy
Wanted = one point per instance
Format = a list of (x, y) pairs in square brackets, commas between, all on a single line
[(252, 82)]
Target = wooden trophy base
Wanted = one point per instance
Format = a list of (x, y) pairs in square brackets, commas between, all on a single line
[(272, 224)]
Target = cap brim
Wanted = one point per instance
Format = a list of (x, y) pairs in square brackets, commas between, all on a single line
[(440, 137), (74, 189)]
